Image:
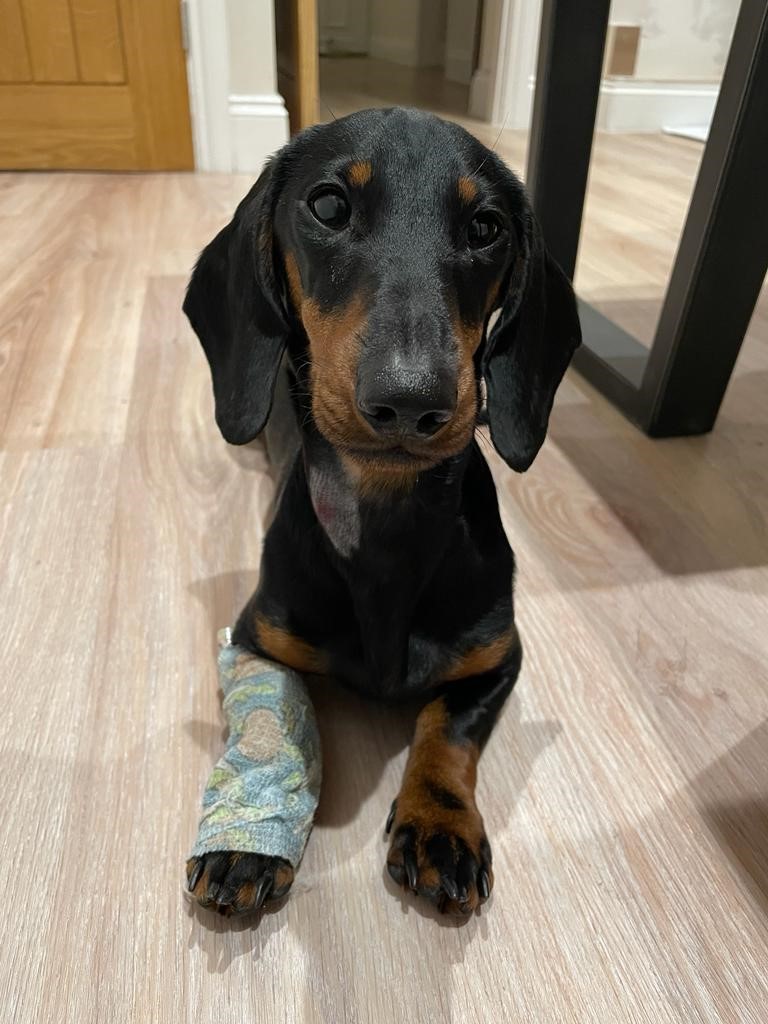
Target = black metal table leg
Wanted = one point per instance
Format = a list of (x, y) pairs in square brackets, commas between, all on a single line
[(568, 71), (678, 386)]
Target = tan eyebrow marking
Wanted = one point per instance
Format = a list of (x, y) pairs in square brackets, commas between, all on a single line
[(359, 173), (467, 189)]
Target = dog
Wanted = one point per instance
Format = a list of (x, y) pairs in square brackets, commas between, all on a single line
[(368, 259)]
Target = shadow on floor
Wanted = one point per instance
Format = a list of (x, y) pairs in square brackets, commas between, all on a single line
[(732, 795), (694, 504)]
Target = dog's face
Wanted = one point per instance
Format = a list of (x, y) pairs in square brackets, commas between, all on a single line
[(376, 248)]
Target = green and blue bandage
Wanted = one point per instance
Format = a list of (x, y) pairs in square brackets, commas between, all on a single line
[(262, 794)]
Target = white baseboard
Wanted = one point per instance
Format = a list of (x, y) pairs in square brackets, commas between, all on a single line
[(258, 127), (635, 106), (625, 105), (697, 132), (339, 40), (399, 51)]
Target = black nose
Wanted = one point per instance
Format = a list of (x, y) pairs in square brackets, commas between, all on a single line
[(401, 403)]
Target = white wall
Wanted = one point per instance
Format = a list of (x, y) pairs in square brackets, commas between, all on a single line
[(394, 32), (680, 40), (343, 26), (460, 40), (432, 28), (410, 32), (683, 48), (238, 117), (251, 33)]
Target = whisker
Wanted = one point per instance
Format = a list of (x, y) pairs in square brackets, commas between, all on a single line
[(495, 142), (328, 109)]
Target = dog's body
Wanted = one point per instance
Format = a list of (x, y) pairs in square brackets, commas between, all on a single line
[(373, 251)]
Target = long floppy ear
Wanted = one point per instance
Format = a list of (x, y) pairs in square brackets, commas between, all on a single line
[(235, 307), (528, 349)]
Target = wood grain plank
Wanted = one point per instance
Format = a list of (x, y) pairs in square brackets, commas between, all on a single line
[(48, 645), (67, 126), (99, 42), (51, 41), (14, 57)]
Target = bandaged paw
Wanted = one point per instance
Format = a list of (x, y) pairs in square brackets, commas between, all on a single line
[(262, 794)]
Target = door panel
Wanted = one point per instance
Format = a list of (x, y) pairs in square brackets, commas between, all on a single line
[(67, 126), (99, 46), (50, 42), (93, 84), (14, 59)]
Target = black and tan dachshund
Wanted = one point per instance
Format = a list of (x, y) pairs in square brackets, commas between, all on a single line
[(370, 256)]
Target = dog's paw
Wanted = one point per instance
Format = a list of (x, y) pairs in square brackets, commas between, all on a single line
[(444, 857), (237, 883)]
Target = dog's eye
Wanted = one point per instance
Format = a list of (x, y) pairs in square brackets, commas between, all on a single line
[(483, 229), (330, 207)]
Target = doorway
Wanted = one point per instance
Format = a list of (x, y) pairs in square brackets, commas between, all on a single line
[(380, 53)]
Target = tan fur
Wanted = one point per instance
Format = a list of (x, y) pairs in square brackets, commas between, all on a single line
[(334, 352), (373, 480), (467, 189), (482, 658), (288, 649), (434, 759), (359, 173), (334, 340)]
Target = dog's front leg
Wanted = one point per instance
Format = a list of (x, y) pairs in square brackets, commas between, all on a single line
[(439, 848)]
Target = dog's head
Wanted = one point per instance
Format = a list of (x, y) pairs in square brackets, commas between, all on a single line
[(376, 249)]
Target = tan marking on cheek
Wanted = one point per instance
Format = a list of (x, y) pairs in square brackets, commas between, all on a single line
[(288, 649), (294, 280), (359, 173), (470, 336), (467, 189), (481, 658), (334, 344)]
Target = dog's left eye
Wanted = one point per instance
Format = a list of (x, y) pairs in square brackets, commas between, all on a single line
[(330, 207), (484, 228)]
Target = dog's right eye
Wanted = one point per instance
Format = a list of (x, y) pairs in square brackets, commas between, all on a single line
[(329, 205)]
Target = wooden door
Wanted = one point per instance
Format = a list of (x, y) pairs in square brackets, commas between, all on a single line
[(93, 84), (297, 59)]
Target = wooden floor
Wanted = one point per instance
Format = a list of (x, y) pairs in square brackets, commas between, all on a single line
[(625, 789)]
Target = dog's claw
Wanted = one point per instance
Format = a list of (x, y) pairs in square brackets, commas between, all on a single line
[(262, 891), (450, 887), (390, 817), (194, 876), (482, 884), (412, 872)]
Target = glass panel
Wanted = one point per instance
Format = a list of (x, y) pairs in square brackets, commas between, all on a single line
[(663, 66)]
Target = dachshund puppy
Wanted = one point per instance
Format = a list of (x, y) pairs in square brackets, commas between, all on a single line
[(369, 257)]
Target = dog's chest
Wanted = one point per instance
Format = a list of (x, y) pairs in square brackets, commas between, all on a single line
[(336, 506)]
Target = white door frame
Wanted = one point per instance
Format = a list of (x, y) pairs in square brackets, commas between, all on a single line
[(231, 132), (502, 86)]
